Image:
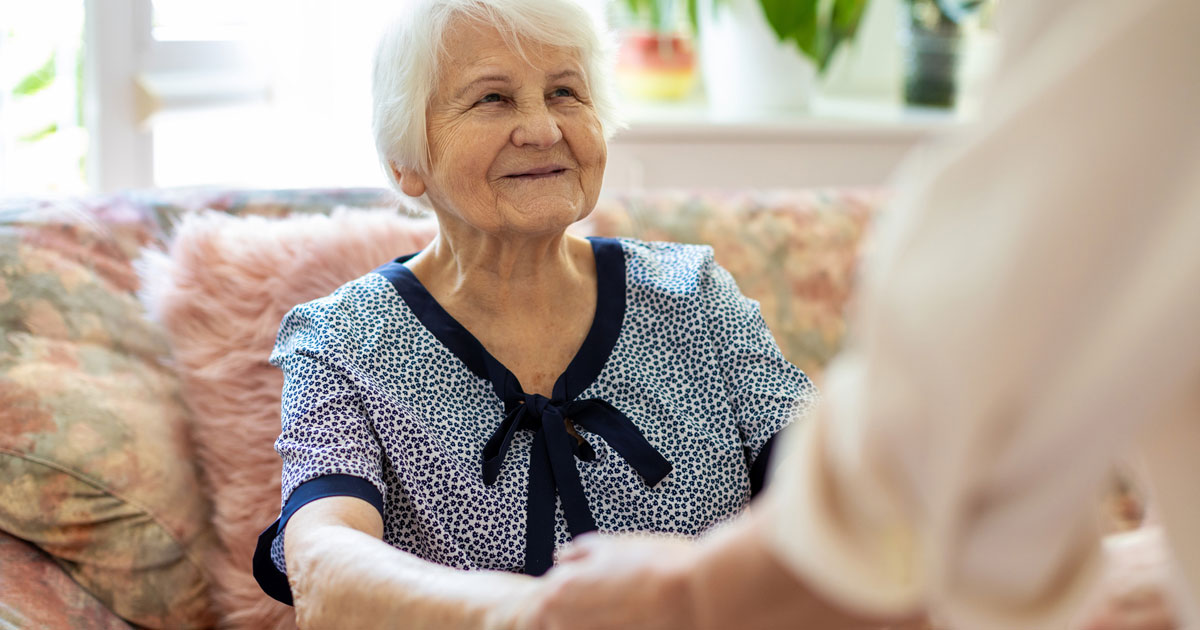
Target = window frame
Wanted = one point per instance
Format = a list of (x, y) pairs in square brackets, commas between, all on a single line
[(129, 76)]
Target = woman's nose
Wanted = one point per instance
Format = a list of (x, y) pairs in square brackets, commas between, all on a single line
[(538, 128)]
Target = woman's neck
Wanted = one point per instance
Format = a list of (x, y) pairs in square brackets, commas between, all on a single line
[(503, 274)]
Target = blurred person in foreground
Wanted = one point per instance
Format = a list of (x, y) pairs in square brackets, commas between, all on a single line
[(1029, 316), (453, 417)]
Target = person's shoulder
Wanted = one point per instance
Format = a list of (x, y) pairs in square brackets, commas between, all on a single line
[(349, 302), (666, 266), (349, 312)]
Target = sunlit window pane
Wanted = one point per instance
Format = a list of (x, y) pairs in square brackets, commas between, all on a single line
[(42, 139), (210, 20), (261, 145), (314, 128)]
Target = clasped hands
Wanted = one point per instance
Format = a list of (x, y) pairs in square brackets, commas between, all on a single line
[(653, 583)]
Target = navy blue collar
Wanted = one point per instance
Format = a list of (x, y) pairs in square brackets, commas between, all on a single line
[(584, 368), (552, 470)]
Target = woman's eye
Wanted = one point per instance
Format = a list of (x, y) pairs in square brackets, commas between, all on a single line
[(562, 92), (491, 98)]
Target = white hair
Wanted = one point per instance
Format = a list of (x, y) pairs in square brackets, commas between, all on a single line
[(410, 49)]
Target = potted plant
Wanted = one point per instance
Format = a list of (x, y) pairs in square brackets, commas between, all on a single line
[(933, 49), (763, 56), (656, 60)]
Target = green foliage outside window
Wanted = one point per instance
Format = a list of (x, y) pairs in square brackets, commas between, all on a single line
[(37, 80), (43, 143)]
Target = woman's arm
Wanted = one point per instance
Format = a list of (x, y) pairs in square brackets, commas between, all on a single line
[(343, 575)]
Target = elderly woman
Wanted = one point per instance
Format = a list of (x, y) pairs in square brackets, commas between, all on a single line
[(478, 404)]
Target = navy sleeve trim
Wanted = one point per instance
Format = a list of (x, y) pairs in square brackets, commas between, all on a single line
[(330, 486), (270, 579), (762, 464)]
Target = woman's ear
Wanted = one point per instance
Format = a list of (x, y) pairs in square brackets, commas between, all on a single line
[(411, 183)]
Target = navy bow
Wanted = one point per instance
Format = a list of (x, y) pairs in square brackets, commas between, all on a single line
[(552, 465)]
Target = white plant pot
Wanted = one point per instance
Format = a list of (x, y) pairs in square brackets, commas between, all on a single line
[(747, 71)]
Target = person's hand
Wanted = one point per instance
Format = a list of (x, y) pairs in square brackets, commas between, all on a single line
[(727, 580), (617, 582), (1133, 592)]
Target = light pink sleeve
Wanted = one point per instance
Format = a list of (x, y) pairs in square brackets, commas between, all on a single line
[(1032, 307)]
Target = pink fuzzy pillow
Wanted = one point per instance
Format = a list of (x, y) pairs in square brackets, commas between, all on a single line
[(220, 293)]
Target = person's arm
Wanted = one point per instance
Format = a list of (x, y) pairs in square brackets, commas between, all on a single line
[(1027, 312), (733, 579), (344, 576), (740, 582)]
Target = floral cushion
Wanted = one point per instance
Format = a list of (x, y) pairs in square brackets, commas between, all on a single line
[(39, 594), (95, 459)]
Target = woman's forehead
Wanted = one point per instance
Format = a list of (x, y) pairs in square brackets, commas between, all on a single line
[(471, 47)]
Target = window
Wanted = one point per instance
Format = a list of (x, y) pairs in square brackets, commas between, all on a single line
[(42, 136), (212, 20), (296, 113), (275, 93), (267, 93)]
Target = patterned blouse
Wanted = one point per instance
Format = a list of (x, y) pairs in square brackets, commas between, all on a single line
[(677, 392)]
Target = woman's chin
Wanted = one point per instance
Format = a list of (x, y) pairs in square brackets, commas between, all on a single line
[(543, 214)]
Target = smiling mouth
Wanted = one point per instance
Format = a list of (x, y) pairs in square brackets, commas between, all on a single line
[(540, 173)]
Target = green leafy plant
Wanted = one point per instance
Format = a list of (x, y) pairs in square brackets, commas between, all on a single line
[(816, 27)]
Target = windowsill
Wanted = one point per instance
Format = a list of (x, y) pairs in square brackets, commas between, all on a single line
[(827, 119), (837, 143)]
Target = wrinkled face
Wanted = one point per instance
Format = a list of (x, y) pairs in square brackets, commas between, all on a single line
[(515, 144)]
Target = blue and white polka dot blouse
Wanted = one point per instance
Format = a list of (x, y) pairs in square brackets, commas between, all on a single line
[(677, 391)]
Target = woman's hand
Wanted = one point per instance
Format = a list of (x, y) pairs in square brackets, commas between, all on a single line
[(1135, 584)]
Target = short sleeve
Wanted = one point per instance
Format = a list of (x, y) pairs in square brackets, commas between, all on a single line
[(766, 391), (325, 430), (326, 443)]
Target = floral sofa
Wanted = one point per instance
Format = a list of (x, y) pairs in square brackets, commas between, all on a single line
[(113, 504)]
